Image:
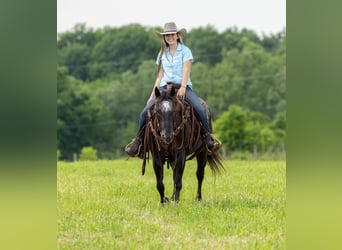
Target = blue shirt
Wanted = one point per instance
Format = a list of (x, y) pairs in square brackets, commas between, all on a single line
[(173, 65)]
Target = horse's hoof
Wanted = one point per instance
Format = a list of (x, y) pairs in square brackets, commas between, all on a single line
[(165, 199), (173, 199), (198, 198)]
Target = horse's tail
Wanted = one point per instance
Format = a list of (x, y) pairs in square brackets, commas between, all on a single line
[(215, 163)]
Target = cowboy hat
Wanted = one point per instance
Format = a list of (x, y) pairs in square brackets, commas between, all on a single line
[(171, 28)]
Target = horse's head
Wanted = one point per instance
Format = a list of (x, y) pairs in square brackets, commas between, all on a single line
[(165, 107)]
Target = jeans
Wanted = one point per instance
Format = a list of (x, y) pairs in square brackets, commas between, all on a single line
[(191, 97)]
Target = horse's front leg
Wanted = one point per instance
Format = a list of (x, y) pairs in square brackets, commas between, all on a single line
[(178, 171), (159, 172)]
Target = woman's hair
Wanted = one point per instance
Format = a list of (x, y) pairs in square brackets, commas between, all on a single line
[(163, 47)]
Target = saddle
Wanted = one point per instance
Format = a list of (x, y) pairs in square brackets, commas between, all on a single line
[(204, 104)]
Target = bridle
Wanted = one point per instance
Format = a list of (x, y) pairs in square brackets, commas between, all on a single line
[(154, 125)]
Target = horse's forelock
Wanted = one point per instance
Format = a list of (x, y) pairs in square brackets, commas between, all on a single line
[(164, 95)]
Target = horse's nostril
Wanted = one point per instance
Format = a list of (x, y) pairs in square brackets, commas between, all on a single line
[(167, 139)]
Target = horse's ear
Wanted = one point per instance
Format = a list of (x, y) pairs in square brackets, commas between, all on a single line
[(156, 92), (173, 91)]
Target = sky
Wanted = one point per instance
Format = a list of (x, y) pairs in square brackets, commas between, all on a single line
[(262, 16)]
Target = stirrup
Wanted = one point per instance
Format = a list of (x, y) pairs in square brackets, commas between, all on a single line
[(138, 154), (210, 152)]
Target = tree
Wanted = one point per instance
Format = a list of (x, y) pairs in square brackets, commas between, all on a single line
[(88, 154), (230, 128), (82, 118), (241, 129), (80, 34), (205, 45), (278, 126), (121, 49), (75, 57), (74, 49), (273, 41), (231, 38), (251, 78)]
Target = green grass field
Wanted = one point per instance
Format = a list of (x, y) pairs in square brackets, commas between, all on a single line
[(110, 205)]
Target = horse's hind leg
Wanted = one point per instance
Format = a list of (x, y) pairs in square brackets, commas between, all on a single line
[(201, 162), (159, 172)]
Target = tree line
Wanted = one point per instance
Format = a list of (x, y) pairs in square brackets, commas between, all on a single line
[(105, 76)]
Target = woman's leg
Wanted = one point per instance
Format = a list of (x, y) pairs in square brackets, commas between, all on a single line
[(135, 148), (143, 114), (192, 98), (200, 113)]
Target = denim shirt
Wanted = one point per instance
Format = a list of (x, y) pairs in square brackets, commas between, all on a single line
[(173, 65)]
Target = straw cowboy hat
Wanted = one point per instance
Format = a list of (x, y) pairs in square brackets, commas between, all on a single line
[(171, 28)]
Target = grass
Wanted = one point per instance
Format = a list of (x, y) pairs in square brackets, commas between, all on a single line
[(110, 205)]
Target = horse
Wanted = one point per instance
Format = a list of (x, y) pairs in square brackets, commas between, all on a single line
[(172, 135)]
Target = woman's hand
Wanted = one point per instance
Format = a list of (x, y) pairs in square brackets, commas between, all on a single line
[(181, 93)]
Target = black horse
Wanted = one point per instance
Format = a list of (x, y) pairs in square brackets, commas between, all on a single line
[(172, 133)]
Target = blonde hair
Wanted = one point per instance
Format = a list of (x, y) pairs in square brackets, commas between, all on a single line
[(164, 45)]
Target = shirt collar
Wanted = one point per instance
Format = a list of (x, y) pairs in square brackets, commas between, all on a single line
[(179, 47)]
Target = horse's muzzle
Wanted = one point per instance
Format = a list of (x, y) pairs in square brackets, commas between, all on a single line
[(166, 138)]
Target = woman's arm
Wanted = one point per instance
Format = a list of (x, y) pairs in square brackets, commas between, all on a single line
[(186, 73)]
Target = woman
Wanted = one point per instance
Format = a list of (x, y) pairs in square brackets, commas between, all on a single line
[(174, 64)]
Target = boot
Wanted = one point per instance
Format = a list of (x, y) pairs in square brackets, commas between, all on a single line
[(212, 145), (135, 148)]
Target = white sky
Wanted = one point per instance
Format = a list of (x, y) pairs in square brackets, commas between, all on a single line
[(262, 16)]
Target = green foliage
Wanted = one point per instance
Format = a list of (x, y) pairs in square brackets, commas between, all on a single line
[(230, 127), (273, 41), (91, 55), (83, 118), (247, 76), (231, 38), (278, 125), (279, 121), (88, 154), (129, 133), (79, 34), (74, 50), (205, 45), (109, 205), (241, 130), (75, 57)]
